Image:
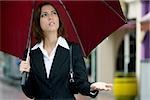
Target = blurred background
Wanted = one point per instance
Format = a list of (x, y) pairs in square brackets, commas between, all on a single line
[(123, 59)]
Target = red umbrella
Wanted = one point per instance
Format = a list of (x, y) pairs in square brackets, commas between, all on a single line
[(86, 22)]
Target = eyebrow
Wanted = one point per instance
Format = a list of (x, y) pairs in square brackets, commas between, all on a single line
[(51, 11)]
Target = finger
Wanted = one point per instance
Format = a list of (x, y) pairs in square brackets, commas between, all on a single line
[(108, 88), (105, 87), (25, 69), (20, 66), (109, 85), (24, 66)]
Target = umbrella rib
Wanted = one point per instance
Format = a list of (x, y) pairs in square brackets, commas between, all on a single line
[(28, 45), (114, 11), (73, 27)]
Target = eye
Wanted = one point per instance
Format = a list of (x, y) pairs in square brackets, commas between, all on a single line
[(44, 14), (54, 12)]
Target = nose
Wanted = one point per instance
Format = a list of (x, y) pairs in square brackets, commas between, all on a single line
[(50, 16)]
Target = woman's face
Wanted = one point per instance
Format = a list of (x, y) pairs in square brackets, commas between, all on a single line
[(49, 20)]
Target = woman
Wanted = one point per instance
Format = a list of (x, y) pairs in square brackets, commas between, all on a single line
[(48, 64)]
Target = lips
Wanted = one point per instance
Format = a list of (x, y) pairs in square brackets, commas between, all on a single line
[(51, 23)]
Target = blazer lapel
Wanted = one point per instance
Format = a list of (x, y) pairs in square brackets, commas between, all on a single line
[(60, 57), (39, 63)]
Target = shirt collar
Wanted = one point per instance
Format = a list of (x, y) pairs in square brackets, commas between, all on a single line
[(61, 41)]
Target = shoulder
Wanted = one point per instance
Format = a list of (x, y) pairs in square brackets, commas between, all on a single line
[(35, 46), (76, 48), (74, 44), (35, 49)]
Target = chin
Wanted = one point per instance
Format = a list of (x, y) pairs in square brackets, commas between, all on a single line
[(52, 30)]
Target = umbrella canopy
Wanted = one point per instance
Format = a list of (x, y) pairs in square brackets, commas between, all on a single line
[(15, 20), (86, 22)]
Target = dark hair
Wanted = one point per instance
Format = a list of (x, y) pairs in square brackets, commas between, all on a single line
[(36, 28)]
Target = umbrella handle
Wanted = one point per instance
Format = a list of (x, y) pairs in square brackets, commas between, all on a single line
[(24, 78), (25, 74)]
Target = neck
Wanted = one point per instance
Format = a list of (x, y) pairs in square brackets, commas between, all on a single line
[(50, 41)]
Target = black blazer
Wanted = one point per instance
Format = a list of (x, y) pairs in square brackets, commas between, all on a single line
[(56, 87)]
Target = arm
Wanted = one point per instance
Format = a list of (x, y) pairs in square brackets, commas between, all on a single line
[(81, 78), (30, 87), (84, 87)]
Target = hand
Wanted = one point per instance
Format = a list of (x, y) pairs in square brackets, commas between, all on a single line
[(101, 86), (25, 66)]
